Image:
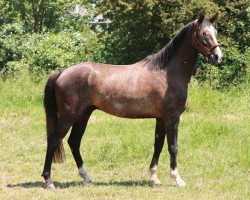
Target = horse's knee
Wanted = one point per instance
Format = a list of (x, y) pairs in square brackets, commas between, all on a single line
[(173, 149)]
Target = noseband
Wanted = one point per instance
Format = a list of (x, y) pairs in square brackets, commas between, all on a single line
[(203, 49)]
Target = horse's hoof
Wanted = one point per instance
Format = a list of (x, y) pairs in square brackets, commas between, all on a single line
[(180, 182), (175, 176), (156, 182), (49, 186), (88, 181)]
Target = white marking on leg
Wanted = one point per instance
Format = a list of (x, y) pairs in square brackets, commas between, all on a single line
[(83, 173), (49, 184), (174, 174), (153, 176)]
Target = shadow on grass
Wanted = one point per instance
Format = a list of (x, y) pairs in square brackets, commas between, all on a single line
[(142, 183), (39, 184), (59, 185)]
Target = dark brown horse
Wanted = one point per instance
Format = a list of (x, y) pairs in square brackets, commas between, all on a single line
[(155, 87)]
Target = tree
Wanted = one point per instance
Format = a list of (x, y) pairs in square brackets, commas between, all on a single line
[(140, 28), (37, 15), (234, 22), (31, 35)]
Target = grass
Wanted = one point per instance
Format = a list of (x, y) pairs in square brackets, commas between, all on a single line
[(213, 150)]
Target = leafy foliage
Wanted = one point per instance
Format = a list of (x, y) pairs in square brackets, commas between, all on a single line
[(35, 14), (45, 35), (140, 28), (232, 72), (234, 23), (10, 42), (44, 52)]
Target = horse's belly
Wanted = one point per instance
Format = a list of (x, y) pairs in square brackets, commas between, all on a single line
[(132, 108)]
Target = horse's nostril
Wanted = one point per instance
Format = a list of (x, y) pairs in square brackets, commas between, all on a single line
[(216, 57)]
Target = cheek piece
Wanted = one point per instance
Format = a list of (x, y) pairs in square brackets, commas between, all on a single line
[(204, 49)]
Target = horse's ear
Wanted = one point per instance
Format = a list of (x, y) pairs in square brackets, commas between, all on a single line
[(212, 19), (200, 20)]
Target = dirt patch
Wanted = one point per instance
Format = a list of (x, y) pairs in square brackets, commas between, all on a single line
[(5, 122), (229, 117)]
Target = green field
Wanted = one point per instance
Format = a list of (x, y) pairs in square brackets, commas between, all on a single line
[(214, 138)]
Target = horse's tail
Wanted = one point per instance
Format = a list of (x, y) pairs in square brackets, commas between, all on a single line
[(51, 115)]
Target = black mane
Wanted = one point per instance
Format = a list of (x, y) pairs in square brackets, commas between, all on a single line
[(160, 59)]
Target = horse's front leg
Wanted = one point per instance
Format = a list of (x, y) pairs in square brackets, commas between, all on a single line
[(159, 142), (171, 126)]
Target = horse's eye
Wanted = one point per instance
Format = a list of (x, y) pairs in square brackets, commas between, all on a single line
[(204, 33)]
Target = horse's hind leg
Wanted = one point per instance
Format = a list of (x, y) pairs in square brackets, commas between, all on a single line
[(53, 144), (159, 142), (74, 142)]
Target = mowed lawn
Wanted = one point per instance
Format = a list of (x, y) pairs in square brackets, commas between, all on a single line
[(213, 159)]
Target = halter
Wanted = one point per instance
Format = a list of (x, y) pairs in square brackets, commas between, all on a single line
[(203, 49)]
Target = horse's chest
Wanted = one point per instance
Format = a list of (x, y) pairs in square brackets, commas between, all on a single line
[(176, 100)]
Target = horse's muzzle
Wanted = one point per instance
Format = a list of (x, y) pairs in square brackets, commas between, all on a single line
[(215, 57)]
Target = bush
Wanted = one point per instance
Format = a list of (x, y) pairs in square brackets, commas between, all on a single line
[(231, 72), (45, 52), (56, 51), (14, 69), (10, 43)]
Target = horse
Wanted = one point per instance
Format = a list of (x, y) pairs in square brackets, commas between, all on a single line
[(155, 87)]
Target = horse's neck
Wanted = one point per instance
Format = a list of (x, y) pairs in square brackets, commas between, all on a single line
[(181, 66)]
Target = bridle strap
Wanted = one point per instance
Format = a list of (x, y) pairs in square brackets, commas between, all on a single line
[(203, 49)]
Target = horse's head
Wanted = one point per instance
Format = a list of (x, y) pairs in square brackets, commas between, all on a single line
[(205, 39)]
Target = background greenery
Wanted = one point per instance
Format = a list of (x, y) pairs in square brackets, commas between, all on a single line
[(38, 36), (45, 35)]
